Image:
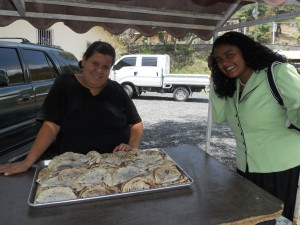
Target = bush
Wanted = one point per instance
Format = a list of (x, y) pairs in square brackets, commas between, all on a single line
[(261, 33), (184, 59)]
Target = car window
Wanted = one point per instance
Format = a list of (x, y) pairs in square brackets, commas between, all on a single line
[(51, 66), (10, 63), (40, 67), (149, 61), (128, 61), (68, 61)]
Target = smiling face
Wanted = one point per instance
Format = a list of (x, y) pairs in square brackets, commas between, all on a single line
[(231, 62), (96, 70)]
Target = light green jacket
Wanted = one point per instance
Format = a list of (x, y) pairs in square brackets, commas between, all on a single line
[(258, 121)]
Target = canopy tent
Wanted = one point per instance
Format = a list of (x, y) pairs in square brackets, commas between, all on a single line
[(177, 17), (205, 18)]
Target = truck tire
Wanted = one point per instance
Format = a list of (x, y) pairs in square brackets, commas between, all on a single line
[(181, 94), (128, 90)]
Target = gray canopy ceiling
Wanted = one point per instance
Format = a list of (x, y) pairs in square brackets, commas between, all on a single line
[(177, 17)]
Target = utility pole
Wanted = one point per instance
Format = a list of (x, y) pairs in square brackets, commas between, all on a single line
[(255, 17), (273, 33)]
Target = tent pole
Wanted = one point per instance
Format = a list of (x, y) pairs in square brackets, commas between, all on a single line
[(209, 121), (209, 114)]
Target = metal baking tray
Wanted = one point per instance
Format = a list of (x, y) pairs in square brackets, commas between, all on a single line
[(43, 164)]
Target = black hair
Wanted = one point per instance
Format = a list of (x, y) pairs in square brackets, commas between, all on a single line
[(256, 56), (99, 47)]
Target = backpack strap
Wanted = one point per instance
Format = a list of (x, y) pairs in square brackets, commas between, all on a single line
[(272, 84), (276, 95)]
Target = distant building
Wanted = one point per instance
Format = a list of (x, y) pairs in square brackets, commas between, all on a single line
[(155, 39)]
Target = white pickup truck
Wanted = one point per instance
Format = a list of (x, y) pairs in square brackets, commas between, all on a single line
[(141, 73)]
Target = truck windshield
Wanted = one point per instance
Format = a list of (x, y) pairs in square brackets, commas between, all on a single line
[(128, 61)]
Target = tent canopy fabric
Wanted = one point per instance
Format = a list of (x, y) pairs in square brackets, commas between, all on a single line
[(177, 17)]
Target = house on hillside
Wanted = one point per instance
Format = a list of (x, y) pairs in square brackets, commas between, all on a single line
[(60, 35), (158, 38)]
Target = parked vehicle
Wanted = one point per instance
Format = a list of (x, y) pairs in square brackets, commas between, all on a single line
[(293, 58), (27, 72), (141, 73)]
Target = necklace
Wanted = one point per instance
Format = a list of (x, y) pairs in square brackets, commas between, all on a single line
[(241, 83)]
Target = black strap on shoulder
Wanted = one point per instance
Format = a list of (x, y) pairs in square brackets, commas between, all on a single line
[(293, 127), (275, 93), (272, 84)]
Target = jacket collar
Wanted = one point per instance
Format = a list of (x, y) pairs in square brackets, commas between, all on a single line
[(254, 81)]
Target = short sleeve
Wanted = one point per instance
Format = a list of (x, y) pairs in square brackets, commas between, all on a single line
[(133, 116), (53, 106)]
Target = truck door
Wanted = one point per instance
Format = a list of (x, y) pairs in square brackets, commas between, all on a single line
[(124, 70), (149, 73)]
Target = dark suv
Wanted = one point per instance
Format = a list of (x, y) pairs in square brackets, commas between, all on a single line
[(27, 72)]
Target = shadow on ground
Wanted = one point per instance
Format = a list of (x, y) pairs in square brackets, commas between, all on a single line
[(172, 133)]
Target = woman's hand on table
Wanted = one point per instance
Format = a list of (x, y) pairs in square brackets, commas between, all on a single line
[(14, 168), (122, 147)]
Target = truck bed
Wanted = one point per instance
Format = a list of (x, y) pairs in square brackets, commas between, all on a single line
[(187, 79)]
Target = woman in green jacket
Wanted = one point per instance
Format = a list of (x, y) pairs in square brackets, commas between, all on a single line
[(268, 153)]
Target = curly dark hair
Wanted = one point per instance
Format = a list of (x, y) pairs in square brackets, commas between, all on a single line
[(256, 56)]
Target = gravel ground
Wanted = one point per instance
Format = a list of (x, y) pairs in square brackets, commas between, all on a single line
[(169, 123)]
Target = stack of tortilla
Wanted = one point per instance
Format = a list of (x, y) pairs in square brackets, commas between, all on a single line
[(74, 176)]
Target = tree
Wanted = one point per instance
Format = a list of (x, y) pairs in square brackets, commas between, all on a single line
[(248, 12), (128, 39), (259, 31), (275, 10)]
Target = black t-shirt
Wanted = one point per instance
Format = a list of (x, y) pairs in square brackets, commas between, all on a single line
[(88, 122)]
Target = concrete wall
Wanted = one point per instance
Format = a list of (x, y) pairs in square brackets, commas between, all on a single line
[(63, 36), (20, 28)]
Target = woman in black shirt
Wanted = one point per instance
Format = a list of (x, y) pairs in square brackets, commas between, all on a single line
[(85, 112)]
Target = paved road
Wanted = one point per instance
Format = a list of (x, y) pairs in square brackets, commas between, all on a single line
[(170, 123)]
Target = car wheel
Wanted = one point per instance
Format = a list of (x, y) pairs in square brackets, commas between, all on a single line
[(128, 89), (181, 94)]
